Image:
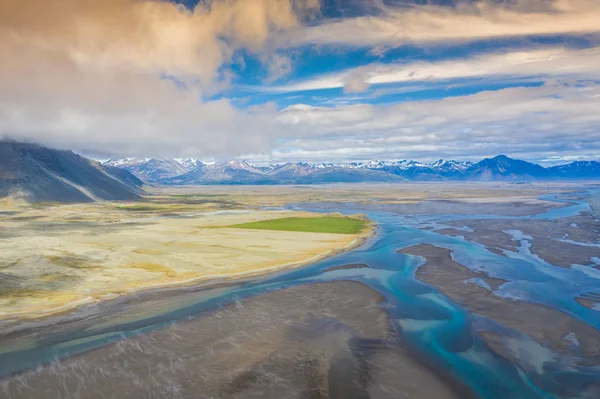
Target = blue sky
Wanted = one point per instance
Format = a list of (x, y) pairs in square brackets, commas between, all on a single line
[(281, 80)]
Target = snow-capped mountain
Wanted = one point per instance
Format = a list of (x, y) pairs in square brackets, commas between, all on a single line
[(324, 165), (190, 163), (450, 166), (577, 170), (236, 165), (293, 169), (404, 164), (414, 170), (150, 170), (372, 164), (125, 162), (194, 171)]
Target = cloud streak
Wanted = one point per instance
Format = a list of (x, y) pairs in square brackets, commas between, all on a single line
[(465, 22), (550, 62)]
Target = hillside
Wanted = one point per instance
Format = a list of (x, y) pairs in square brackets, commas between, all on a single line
[(39, 174)]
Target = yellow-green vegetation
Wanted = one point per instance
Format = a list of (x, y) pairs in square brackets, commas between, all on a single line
[(323, 224), (71, 261), (178, 205), (154, 267), (157, 207), (143, 251), (46, 295)]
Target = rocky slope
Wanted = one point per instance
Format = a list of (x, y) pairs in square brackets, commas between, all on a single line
[(39, 174)]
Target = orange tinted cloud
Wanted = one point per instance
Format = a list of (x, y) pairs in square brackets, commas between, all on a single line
[(144, 35), (87, 73)]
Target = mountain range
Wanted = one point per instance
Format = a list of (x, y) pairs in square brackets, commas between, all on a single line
[(500, 168), (39, 174)]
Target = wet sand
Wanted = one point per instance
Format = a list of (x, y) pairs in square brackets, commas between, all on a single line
[(594, 201), (510, 207), (547, 326), (560, 242), (346, 267), (323, 340)]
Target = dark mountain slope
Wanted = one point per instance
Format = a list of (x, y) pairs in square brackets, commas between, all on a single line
[(42, 174), (576, 170)]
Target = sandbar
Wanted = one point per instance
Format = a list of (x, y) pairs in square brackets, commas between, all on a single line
[(61, 257), (544, 324)]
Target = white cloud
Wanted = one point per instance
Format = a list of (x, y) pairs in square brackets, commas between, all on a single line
[(540, 122), (89, 78)]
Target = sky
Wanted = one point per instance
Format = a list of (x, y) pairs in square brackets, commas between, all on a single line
[(304, 80)]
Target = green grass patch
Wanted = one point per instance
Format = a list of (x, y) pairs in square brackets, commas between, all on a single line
[(322, 224)]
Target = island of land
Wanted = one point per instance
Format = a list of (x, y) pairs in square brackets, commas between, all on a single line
[(544, 324), (57, 257)]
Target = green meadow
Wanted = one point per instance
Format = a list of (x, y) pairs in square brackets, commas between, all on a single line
[(321, 224)]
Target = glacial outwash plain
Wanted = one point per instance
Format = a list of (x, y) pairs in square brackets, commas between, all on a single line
[(56, 257), (361, 291)]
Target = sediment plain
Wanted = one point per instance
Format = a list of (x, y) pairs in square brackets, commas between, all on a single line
[(464, 291), (57, 257)]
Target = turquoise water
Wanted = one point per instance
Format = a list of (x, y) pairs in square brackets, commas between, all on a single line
[(435, 329)]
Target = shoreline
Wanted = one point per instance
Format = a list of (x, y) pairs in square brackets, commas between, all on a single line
[(206, 282)]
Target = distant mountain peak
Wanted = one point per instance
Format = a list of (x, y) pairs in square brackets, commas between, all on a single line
[(502, 167)]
